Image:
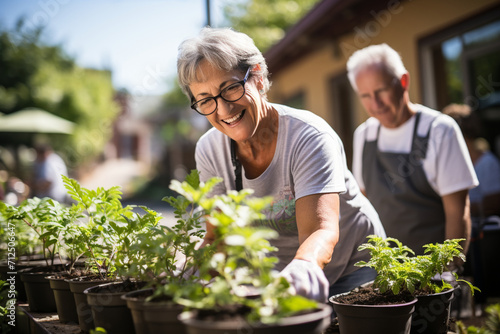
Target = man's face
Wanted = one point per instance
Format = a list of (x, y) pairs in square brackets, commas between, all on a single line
[(382, 96)]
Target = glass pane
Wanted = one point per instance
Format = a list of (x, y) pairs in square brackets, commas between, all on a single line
[(485, 75), (483, 35), (452, 50)]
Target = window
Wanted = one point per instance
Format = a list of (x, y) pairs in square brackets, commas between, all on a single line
[(461, 64)]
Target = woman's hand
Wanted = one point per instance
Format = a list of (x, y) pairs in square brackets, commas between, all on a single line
[(308, 279)]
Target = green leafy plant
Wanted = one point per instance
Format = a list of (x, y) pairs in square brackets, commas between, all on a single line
[(7, 323), (398, 270), (47, 219), (27, 242), (106, 228), (172, 253), (246, 283), (491, 325)]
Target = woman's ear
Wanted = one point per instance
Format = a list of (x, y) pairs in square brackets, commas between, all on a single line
[(405, 81)]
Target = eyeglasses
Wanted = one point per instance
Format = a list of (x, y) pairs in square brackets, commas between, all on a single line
[(231, 93)]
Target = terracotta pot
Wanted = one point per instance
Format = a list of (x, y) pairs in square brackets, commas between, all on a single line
[(135, 302), (311, 323), (65, 302), (109, 310), (432, 313), (374, 319), (77, 287)]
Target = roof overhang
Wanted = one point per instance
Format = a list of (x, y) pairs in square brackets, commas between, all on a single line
[(325, 23)]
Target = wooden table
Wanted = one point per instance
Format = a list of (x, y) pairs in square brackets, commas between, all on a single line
[(42, 323)]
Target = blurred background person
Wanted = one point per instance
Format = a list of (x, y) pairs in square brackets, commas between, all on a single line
[(485, 198), (47, 175)]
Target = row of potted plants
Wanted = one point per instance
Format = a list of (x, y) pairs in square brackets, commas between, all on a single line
[(102, 256), (150, 268)]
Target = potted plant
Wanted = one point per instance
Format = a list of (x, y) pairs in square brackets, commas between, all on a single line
[(25, 243), (106, 229), (109, 310), (72, 249), (166, 259), (48, 219), (401, 275), (247, 293)]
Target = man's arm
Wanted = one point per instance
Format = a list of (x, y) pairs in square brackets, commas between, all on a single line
[(457, 212)]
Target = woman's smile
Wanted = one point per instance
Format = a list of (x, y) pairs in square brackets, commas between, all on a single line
[(233, 120)]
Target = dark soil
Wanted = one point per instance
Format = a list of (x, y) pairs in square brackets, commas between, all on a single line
[(368, 296), (229, 313), (88, 278), (125, 286)]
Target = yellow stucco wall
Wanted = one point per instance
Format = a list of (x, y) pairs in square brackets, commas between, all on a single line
[(401, 25)]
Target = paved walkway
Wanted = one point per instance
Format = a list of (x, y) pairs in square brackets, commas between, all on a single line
[(122, 172)]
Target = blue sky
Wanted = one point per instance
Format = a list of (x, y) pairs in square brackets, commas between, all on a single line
[(137, 39)]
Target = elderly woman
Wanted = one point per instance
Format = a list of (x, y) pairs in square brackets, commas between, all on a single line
[(289, 154)]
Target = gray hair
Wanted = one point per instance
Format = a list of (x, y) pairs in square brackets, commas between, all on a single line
[(224, 49), (375, 55)]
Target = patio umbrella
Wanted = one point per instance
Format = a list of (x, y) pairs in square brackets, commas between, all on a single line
[(33, 120)]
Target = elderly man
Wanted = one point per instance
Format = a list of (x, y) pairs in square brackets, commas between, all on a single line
[(410, 161)]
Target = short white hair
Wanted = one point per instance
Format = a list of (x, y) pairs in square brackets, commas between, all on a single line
[(381, 55), (223, 48)]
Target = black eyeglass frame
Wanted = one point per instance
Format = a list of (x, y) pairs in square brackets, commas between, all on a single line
[(242, 83)]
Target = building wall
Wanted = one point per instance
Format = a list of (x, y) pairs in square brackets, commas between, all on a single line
[(400, 25)]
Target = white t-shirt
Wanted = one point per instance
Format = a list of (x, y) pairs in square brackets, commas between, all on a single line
[(488, 172), (52, 170), (448, 166), (309, 159)]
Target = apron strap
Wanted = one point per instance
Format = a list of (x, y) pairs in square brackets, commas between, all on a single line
[(237, 167)]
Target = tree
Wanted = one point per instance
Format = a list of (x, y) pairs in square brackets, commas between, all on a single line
[(35, 74), (265, 21)]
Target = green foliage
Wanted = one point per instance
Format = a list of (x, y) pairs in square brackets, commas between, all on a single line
[(491, 326), (108, 230), (48, 219), (43, 76), (263, 20), (397, 271), (166, 258), (242, 262), (4, 311), (27, 241)]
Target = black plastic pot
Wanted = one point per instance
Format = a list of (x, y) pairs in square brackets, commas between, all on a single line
[(162, 317), (310, 323), (432, 313), (374, 319), (77, 287), (7, 273), (109, 310), (153, 317), (136, 303), (38, 291), (65, 302)]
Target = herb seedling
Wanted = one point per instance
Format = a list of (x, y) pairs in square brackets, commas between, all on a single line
[(48, 219), (243, 263), (397, 271), (107, 229)]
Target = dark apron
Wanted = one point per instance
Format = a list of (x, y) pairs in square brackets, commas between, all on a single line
[(396, 184)]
